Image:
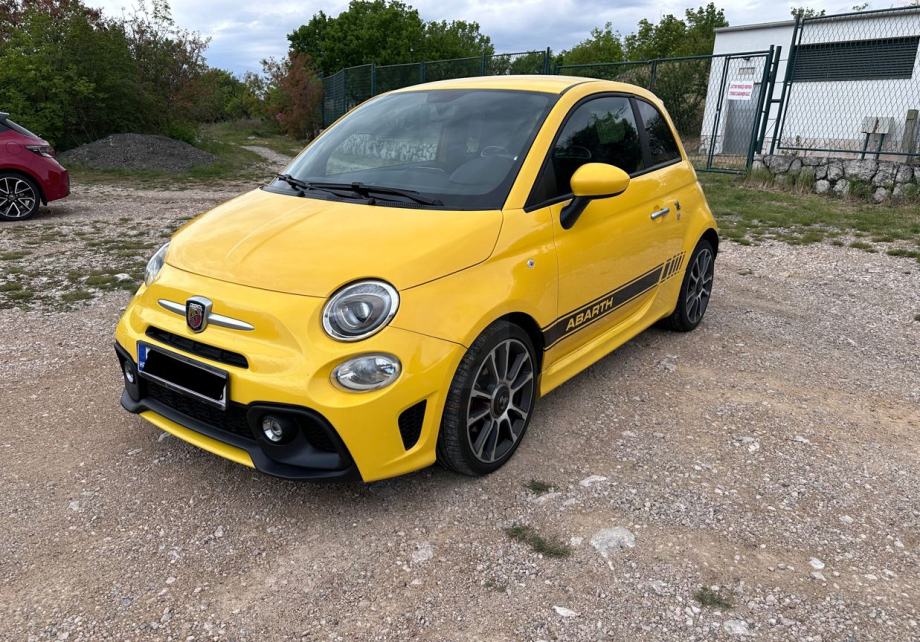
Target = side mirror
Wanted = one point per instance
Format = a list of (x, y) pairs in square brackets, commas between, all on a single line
[(589, 182)]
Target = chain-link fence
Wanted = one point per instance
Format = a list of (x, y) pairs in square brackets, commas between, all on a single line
[(716, 102), (852, 86), (353, 85)]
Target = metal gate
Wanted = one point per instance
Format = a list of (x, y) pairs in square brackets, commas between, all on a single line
[(719, 103)]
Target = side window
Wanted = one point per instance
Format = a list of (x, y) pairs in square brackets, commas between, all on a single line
[(661, 144), (602, 130)]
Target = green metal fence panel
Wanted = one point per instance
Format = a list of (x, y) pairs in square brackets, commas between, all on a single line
[(448, 69), (852, 86), (719, 134), (390, 77)]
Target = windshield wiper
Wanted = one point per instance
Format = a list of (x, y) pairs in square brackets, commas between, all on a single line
[(293, 182), (303, 187), (366, 190)]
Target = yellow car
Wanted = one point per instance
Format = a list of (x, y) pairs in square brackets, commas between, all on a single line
[(418, 276)]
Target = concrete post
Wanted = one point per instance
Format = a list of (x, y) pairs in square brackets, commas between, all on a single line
[(909, 142)]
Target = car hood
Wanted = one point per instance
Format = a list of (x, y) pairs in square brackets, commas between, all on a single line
[(312, 247)]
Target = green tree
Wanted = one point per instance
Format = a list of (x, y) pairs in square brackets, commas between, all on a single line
[(806, 12), (73, 75), (671, 36), (457, 39), (169, 60), (386, 32), (604, 45), (68, 74)]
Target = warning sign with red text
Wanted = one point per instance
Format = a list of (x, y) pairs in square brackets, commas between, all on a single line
[(740, 89)]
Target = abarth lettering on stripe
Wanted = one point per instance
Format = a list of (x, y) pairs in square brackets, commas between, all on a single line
[(601, 307)]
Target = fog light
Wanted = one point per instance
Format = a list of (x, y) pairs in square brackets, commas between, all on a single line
[(367, 372), (129, 371), (273, 429)]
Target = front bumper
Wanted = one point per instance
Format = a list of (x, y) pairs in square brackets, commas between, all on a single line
[(55, 181), (285, 365)]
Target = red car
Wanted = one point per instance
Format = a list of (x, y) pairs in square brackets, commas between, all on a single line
[(29, 175)]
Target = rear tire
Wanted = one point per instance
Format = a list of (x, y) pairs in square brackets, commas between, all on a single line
[(490, 402), (19, 197), (695, 290)]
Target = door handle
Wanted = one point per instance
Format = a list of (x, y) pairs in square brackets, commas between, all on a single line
[(659, 213)]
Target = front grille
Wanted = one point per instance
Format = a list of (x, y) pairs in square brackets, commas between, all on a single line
[(410, 424), (233, 420), (197, 348)]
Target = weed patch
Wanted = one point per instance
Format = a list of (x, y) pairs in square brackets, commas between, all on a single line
[(546, 546), (713, 599), (538, 487)]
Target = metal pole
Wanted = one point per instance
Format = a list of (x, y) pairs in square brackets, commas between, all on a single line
[(653, 76), (422, 72), (774, 64), (373, 79), (715, 123), (787, 83), (482, 64), (758, 111)]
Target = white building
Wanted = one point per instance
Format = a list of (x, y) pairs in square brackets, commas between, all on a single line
[(855, 82)]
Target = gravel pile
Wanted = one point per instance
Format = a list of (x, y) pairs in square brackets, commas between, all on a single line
[(138, 151)]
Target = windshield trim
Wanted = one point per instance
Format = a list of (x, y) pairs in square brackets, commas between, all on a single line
[(501, 198)]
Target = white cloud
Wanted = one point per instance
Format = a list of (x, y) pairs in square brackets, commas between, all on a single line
[(242, 34)]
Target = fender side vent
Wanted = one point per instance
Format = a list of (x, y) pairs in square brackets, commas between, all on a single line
[(410, 424)]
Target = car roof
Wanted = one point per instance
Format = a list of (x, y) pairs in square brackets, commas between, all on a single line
[(550, 84)]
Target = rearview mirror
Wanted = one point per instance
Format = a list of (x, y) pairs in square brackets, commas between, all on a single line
[(589, 182)]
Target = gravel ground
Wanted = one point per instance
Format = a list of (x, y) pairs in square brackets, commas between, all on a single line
[(755, 479), (138, 152)]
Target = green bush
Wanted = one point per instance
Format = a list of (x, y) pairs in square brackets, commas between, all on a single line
[(186, 132), (73, 76)]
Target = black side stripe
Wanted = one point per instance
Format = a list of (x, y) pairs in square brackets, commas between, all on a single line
[(604, 305), (599, 308)]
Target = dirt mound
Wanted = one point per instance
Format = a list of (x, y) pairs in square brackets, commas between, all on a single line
[(137, 151)]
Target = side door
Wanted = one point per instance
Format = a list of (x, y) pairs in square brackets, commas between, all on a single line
[(669, 179), (611, 261)]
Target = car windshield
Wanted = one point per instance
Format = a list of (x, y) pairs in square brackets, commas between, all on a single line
[(9, 124), (459, 149)]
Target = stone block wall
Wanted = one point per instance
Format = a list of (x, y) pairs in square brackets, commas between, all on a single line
[(878, 181)]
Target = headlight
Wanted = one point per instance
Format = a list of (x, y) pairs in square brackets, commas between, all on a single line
[(155, 264), (367, 372), (42, 150), (359, 310)]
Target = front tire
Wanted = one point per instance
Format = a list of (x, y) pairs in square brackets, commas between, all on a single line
[(19, 197), (490, 402), (695, 290)]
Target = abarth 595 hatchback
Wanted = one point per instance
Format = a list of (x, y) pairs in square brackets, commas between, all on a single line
[(418, 276)]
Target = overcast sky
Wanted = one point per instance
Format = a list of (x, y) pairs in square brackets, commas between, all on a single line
[(242, 33)]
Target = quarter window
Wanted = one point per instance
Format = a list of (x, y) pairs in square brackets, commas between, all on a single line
[(661, 144), (602, 130)]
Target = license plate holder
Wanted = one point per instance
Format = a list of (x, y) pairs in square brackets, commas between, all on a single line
[(183, 375)]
